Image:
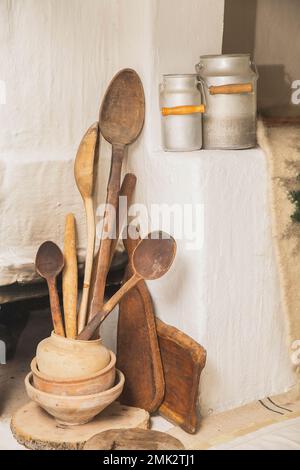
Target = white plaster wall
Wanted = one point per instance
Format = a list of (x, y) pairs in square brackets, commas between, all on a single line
[(57, 59)]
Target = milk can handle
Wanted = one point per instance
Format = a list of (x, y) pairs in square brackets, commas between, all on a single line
[(181, 110), (254, 67), (230, 89)]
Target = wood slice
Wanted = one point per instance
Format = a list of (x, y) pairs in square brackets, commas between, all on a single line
[(37, 430), (132, 439)]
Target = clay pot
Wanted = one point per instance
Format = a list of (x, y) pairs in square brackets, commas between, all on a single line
[(67, 358), (74, 410), (89, 385)]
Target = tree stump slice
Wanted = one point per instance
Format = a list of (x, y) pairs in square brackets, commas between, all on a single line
[(132, 439), (37, 430)]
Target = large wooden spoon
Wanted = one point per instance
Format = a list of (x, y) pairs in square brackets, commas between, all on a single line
[(84, 176), (151, 259), (49, 262), (121, 120)]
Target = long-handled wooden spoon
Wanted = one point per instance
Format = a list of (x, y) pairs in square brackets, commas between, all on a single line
[(49, 262), (151, 259), (84, 176), (126, 191), (121, 120), (70, 278)]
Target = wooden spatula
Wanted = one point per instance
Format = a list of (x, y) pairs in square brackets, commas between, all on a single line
[(84, 176), (70, 278)]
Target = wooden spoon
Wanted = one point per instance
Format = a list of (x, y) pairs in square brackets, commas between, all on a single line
[(70, 278), (121, 120), (151, 259), (84, 176), (49, 262)]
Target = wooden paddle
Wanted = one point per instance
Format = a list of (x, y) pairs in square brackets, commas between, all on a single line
[(151, 259), (122, 117), (84, 176), (70, 278), (49, 263), (138, 351)]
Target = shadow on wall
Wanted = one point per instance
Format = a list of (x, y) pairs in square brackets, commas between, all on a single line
[(274, 91), (239, 27), (252, 26)]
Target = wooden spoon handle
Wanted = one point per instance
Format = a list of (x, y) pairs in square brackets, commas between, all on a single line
[(127, 190), (90, 218), (109, 224), (55, 307), (231, 89), (70, 278), (96, 321)]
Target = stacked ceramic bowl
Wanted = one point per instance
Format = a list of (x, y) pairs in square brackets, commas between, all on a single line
[(73, 380)]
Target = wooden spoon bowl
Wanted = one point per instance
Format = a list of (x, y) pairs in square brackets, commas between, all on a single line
[(122, 112), (154, 255)]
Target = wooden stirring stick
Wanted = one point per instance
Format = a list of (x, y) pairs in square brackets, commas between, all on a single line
[(84, 176), (70, 278)]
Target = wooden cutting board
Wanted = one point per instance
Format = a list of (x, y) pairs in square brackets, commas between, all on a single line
[(176, 389), (183, 361), (138, 354)]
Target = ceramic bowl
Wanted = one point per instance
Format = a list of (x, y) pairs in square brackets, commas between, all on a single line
[(65, 358), (88, 385), (74, 410)]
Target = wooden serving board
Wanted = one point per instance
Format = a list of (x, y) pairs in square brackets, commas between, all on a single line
[(183, 361), (37, 430)]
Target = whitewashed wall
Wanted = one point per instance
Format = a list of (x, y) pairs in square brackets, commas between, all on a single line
[(57, 58)]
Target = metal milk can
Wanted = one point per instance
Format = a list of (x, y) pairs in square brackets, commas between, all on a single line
[(181, 109), (229, 83)]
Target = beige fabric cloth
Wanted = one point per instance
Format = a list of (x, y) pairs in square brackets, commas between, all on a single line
[(281, 142)]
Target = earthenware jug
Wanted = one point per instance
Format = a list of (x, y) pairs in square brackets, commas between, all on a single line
[(62, 357)]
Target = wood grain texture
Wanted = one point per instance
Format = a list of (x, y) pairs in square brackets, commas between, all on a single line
[(138, 353), (70, 278), (182, 358), (152, 258), (49, 262), (133, 439), (37, 430), (84, 176), (183, 361), (121, 121)]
